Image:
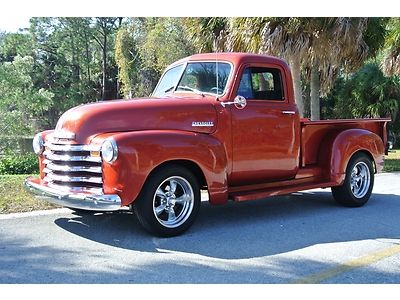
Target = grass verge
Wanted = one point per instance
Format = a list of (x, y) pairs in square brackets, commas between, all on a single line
[(14, 197), (392, 161)]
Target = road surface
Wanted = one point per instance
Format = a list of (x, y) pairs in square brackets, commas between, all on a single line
[(301, 238)]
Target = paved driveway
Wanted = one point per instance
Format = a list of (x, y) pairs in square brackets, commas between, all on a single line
[(304, 237)]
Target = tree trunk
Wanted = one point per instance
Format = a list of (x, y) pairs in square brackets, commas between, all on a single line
[(104, 81), (314, 94), (87, 57), (296, 73)]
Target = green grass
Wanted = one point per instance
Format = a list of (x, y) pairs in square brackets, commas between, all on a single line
[(14, 197), (392, 161)]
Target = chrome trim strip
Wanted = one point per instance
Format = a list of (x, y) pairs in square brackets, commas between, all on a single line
[(74, 200), (288, 112), (49, 155), (63, 134), (75, 189), (65, 168), (54, 147), (65, 178)]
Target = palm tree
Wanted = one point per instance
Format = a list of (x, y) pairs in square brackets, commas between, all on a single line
[(391, 61), (340, 43), (321, 46), (208, 34), (285, 37), (335, 43)]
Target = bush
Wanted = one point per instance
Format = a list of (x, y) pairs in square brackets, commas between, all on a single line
[(19, 164)]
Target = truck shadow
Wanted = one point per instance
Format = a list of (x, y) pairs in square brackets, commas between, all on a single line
[(250, 229)]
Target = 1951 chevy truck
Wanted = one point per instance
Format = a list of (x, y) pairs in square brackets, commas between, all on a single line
[(226, 123)]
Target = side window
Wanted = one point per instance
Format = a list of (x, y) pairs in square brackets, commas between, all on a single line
[(261, 84), (245, 89)]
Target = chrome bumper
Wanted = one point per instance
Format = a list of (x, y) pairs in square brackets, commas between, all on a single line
[(79, 201)]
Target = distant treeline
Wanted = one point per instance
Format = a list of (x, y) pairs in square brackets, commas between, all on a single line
[(342, 67)]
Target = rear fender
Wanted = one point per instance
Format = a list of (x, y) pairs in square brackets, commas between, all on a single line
[(140, 152), (337, 149)]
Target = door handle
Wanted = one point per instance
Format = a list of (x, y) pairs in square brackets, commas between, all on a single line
[(288, 112)]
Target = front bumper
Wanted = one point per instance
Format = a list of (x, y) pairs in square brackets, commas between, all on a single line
[(73, 200)]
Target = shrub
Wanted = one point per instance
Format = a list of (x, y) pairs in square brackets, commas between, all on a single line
[(18, 164)]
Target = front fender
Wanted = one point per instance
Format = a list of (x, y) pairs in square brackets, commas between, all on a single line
[(140, 152), (337, 149)]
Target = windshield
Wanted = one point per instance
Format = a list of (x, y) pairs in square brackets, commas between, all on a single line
[(198, 77), (168, 81)]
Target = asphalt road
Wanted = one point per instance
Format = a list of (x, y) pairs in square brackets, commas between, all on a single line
[(301, 238)]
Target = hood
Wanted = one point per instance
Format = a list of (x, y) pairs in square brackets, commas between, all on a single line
[(86, 121)]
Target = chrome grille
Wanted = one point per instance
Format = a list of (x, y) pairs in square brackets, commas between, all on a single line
[(71, 167)]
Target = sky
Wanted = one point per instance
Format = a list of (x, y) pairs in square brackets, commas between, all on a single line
[(17, 12), (13, 23)]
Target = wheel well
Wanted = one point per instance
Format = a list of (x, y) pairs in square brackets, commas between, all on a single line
[(190, 165), (369, 155)]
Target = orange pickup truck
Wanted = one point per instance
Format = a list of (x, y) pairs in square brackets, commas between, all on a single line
[(226, 123)]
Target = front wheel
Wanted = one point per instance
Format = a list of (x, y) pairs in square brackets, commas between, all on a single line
[(358, 183), (169, 201)]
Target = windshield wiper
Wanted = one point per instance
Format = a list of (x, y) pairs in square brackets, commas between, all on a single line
[(188, 88), (169, 89)]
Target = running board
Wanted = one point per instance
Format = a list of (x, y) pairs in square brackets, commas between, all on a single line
[(264, 193)]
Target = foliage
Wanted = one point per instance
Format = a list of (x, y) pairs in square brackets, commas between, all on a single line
[(58, 64), (127, 59), (105, 29), (391, 60), (144, 48), (14, 44), (20, 102), (18, 164), (208, 34), (65, 63), (164, 44), (366, 93)]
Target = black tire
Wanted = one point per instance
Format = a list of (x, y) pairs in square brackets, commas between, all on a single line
[(158, 209), (358, 183)]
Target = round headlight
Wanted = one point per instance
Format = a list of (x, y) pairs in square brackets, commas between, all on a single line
[(38, 144), (109, 150)]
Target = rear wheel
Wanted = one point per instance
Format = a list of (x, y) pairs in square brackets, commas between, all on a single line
[(358, 183), (169, 201)]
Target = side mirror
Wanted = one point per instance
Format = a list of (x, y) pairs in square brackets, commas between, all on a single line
[(240, 102)]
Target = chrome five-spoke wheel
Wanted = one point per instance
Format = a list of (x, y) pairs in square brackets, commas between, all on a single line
[(169, 201), (358, 183), (360, 179), (173, 201)]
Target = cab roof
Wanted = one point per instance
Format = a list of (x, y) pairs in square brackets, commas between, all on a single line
[(235, 58)]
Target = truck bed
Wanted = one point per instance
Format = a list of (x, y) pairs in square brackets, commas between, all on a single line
[(313, 133)]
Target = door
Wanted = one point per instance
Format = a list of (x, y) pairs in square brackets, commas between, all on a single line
[(265, 133)]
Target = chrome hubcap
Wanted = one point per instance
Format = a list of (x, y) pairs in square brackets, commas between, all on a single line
[(173, 202), (360, 180)]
